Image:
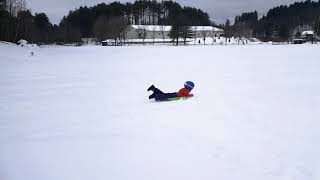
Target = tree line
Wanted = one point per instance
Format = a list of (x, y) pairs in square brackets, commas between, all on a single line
[(17, 22), (100, 21), (278, 24)]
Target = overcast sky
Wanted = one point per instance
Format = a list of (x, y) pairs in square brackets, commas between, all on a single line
[(219, 10)]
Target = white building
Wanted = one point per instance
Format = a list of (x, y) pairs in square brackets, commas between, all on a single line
[(299, 29), (206, 31), (89, 40), (148, 32), (162, 32), (305, 34)]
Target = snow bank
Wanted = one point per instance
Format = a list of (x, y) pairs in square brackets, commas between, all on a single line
[(82, 113), (13, 52), (25, 43)]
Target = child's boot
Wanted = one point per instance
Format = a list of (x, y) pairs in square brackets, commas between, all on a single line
[(152, 96), (151, 88)]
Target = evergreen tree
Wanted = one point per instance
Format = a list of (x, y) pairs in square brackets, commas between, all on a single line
[(25, 26), (228, 29), (2, 5), (284, 19), (42, 25), (227, 24), (316, 27), (4, 22), (100, 29), (283, 32), (186, 33), (175, 33), (181, 29), (141, 12)]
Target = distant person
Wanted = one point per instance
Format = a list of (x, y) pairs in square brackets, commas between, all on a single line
[(158, 95)]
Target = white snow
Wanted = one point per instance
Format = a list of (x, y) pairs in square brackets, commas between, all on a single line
[(152, 27), (82, 113), (168, 28), (24, 43), (304, 33), (205, 28)]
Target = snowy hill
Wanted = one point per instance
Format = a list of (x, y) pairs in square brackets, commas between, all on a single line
[(82, 113)]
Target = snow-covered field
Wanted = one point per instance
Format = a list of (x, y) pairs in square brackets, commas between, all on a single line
[(82, 113)]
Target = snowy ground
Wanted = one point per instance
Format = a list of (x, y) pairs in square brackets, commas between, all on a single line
[(80, 113), (193, 41)]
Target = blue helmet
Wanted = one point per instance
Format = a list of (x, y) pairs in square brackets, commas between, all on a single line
[(189, 85)]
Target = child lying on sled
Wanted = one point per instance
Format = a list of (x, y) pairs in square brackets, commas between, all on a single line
[(158, 95)]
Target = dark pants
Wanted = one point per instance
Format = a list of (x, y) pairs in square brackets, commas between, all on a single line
[(161, 96)]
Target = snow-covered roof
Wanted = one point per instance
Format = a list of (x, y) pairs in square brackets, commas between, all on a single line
[(152, 27), (168, 28), (307, 33), (22, 42), (205, 28)]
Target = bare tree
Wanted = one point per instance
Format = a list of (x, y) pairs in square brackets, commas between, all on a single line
[(142, 32), (3, 5), (15, 6), (243, 30), (25, 26), (317, 28), (213, 36), (175, 34), (181, 29), (111, 28), (11, 7), (116, 28), (162, 29), (124, 35), (153, 33), (195, 34), (100, 28), (21, 5), (204, 36)]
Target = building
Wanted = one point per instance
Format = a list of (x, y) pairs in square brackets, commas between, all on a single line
[(298, 41), (303, 37), (296, 32), (308, 35), (206, 31), (162, 32), (148, 32), (89, 40)]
